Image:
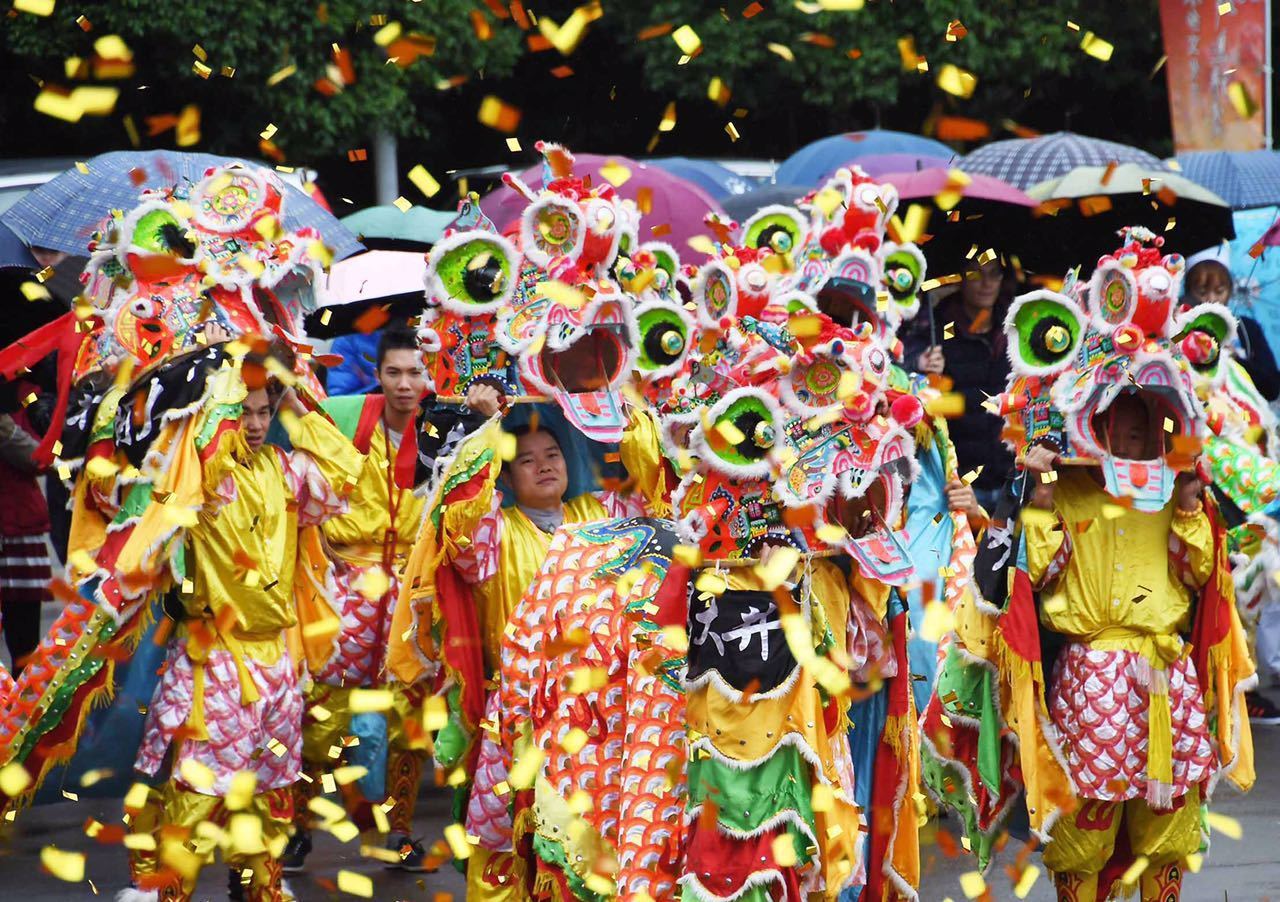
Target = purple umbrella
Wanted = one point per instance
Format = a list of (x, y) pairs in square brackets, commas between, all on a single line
[(679, 205)]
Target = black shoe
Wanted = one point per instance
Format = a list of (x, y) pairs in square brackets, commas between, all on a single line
[(413, 856), (235, 885), (296, 851), (1261, 709)]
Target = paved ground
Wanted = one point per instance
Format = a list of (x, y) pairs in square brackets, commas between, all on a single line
[(1242, 870)]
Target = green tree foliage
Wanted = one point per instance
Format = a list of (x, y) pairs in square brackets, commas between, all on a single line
[(259, 38), (848, 70)]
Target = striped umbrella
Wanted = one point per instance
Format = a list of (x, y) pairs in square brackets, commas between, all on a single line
[(63, 212), (1245, 179), (1023, 162)]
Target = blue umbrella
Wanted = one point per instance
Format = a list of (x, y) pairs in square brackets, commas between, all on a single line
[(13, 253), (1257, 279), (418, 225), (1023, 162), (1244, 179), (62, 213), (716, 180), (808, 164)]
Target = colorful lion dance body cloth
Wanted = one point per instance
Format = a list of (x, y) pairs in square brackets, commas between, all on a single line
[(152, 434), (796, 448), (1121, 660)]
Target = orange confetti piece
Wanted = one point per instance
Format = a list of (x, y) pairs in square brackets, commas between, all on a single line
[(752, 10), (655, 31), (498, 115), (562, 71), (480, 25), (371, 320)]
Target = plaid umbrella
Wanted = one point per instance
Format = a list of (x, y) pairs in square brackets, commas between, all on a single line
[(1244, 179), (13, 253), (1023, 162), (62, 213)]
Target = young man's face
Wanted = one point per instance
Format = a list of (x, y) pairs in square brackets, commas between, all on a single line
[(1128, 435), (1209, 282), (538, 474), (256, 418), (403, 379)]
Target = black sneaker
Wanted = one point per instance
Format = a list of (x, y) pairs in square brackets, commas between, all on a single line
[(1261, 709), (413, 856), (294, 859)]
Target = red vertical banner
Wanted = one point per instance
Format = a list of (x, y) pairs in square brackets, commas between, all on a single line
[(1216, 66)]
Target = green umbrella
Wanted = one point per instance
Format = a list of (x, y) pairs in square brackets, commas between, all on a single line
[(1082, 211)]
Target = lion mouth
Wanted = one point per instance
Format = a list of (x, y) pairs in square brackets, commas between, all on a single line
[(593, 362)]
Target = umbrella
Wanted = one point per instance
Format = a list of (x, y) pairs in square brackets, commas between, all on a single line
[(808, 164), (708, 175), (391, 273), (62, 213), (1257, 278), (1244, 178), (679, 206), (1090, 213), (878, 164), (989, 213), (387, 223), (1023, 162), (13, 253), (741, 207)]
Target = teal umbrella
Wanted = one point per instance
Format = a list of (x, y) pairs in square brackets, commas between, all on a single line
[(417, 225)]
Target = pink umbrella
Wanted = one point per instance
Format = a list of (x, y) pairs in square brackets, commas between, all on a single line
[(989, 213), (677, 207)]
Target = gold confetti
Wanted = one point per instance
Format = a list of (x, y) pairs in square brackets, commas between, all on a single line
[(1096, 47), (68, 866), (687, 40), (615, 173), (1134, 871), (783, 51), (424, 181), (387, 34), (973, 885), (781, 562), (956, 81), (269, 132), (1227, 826), (199, 776), (1224, 8), (1026, 880), (513, 145), (1241, 100), (281, 74), (732, 131), (349, 774), (784, 851), (14, 779), (718, 91), (938, 621), (34, 7), (456, 836), (355, 884), (574, 740), (366, 700), (34, 291)]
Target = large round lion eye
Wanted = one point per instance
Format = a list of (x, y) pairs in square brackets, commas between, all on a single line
[(664, 335), (160, 232), (1048, 332), (746, 430), (775, 228), (478, 271)]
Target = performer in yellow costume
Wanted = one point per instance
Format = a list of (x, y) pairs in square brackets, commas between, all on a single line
[(368, 546), (1128, 704), (230, 686), (473, 563)]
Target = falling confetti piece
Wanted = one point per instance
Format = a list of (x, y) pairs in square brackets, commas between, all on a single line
[(281, 74), (574, 740), (972, 884), (687, 40), (782, 561), (1227, 826), (14, 779), (424, 181), (366, 700), (34, 7), (784, 851), (732, 131), (1026, 880), (68, 866), (938, 621), (615, 173), (1096, 47), (1224, 8), (1241, 100), (783, 51), (355, 884), (456, 836), (956, 81), (513, 145)]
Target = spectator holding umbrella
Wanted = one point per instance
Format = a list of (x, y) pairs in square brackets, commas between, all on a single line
[(974, 359)]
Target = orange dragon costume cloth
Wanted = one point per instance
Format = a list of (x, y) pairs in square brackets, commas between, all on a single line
[(368, 546), (1122, 677), (134, 377), (546, 320)]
